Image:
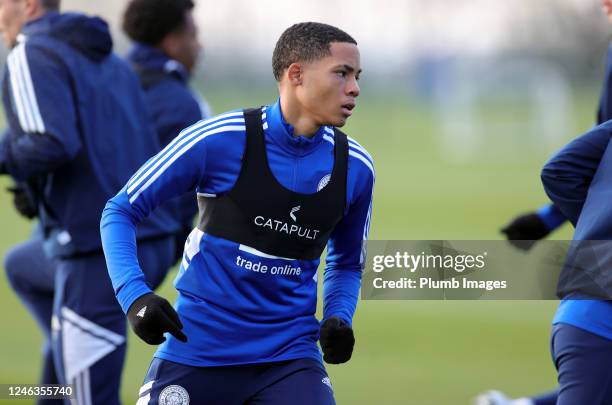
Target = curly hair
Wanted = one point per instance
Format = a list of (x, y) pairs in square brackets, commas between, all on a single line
[(306, 42), (149, 21)]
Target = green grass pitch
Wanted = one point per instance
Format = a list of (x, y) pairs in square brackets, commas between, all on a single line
[(407, 351)]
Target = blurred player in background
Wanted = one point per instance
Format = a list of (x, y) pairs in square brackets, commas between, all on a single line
[(537, 225), (164, 54), (275, 186), (78, 127), (578, 180), (526, 229)]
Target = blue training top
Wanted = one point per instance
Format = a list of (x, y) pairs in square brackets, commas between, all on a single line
[(232, 311)]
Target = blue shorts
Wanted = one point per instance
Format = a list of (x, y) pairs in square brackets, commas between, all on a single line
[(73, 302), (295, 382), (583, 364)]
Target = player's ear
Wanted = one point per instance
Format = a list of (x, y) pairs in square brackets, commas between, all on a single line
[(31, 7), (295, 73), (169, 44)]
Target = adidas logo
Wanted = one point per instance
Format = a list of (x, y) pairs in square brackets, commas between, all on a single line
[(327, 382), (142, 312)]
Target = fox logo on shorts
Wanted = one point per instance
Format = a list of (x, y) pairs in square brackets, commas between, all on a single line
[(174, 395)]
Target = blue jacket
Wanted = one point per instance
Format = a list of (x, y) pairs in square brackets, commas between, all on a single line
[(550, 214), (232, 312), (578, 180), (173, 106), (78, 127)]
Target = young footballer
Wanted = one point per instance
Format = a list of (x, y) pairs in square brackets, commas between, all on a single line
[(275, 185)]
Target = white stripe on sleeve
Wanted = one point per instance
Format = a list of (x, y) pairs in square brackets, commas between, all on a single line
[(366, 228), (352, 144), (32, 103), (354, 153), (18, 93), (145, 387), (184, 136), (144, 400), (363, 159), (198, 137)]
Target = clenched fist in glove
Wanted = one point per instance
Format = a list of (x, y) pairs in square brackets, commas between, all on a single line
[(151, 316), (525, 230), (23, 201), (337, 340)]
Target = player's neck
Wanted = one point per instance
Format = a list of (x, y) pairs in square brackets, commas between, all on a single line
[(292, 113)]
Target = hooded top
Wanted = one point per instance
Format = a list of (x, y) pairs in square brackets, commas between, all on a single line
[(173, 106), (78, 128), (88, 35)]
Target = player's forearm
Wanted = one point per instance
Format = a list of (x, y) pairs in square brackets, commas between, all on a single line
[(567, 176), (568, 197), (345, 259), (28, 155), (341, 292), (118, 230)]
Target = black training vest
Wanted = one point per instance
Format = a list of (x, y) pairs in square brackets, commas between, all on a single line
[(261, 213)]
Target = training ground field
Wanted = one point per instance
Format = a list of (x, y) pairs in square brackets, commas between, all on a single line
[(407, 352)]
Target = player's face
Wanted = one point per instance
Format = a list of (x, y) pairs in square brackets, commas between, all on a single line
[(607, 7), (12, 18), (329, 85), (187, 47)]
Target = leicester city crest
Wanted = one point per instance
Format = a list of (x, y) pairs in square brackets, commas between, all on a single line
[(174, 395)]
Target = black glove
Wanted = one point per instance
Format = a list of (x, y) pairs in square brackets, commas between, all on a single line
[(151, 316), (337, 340), (525, 230), (23, 201)]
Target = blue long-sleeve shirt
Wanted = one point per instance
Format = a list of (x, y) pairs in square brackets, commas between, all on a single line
[(577, 179), (233, 311)]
